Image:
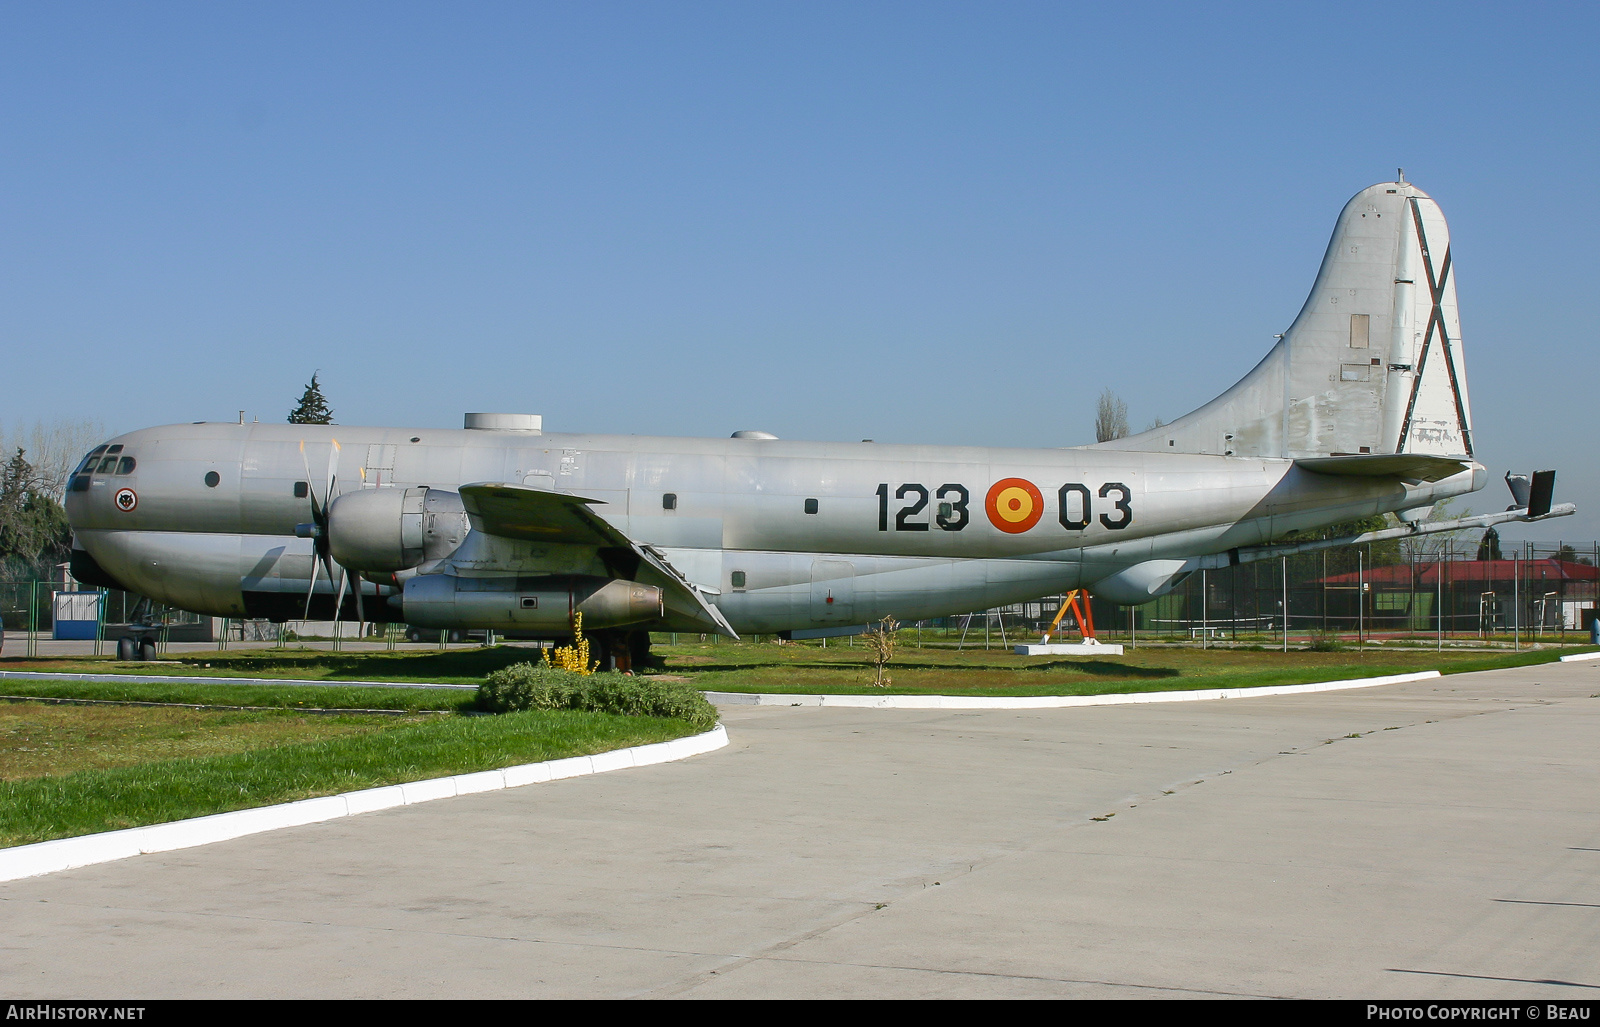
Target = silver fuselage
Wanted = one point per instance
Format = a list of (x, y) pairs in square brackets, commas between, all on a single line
[(907, 531)]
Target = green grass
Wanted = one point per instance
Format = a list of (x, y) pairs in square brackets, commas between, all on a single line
[(288, 696), (842, 669), (43, 739), (749, 666), (151, 793), (460, 666)]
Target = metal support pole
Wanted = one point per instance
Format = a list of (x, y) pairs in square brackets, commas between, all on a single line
[(33, 620), (1285, 604), (1439, 600), (101, 599), (1205, 633), (1361, 597), (1516, 600)]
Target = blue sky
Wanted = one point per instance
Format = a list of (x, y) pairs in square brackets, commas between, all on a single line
[(953, 223)]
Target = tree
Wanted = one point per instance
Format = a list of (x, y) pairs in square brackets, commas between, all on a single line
[(313, 407), (1489, 548), (54, 449), (1111, 418), (881, 642), (33, 526)]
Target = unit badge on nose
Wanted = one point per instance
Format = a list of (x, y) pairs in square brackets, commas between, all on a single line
[(126, 500), (1014, 505)]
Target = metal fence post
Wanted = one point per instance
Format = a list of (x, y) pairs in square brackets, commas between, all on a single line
[(102, 599), (33, 619), (1516, 600)]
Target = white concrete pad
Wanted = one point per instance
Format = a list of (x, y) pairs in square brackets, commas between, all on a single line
[(1069, 649)]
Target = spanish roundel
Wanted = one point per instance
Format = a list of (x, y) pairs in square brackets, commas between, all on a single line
[(1014, 505)]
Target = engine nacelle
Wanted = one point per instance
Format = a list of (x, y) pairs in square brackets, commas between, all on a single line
[(380, 531), (517, 603), (1141, 583)]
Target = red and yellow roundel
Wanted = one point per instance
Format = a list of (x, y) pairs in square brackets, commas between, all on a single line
[(1014, 505)]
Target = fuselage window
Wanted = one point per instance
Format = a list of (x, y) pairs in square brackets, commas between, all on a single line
[(212, 479), (126, 466), (301, 489), (811, 506), (738, 581), (669, 501)]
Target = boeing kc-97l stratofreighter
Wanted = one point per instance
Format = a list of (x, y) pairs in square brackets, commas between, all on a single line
[(1359, 409)]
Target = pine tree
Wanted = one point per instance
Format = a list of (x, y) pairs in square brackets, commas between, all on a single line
[(313, 407)]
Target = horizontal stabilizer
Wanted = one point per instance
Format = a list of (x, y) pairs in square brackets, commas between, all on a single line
[(1272, 551), (539, 515), (1409, 466)]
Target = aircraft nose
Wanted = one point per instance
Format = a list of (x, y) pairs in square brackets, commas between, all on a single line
[(103, 486)]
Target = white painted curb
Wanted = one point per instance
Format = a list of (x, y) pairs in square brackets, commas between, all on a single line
[(1044, 702), (67, 853), (1575, 657)]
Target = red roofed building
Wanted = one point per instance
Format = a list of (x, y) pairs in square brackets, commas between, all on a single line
[(1478, 594)]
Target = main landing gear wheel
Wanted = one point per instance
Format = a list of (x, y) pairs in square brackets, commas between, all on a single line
[(127, 650)]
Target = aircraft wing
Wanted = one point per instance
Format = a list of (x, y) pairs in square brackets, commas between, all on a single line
[(1412, 466), (528, 514)]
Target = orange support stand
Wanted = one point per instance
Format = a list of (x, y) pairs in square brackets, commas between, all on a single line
[(1086, 621), (1084, 618)]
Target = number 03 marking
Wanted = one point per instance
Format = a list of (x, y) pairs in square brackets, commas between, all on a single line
[(1075, 509)]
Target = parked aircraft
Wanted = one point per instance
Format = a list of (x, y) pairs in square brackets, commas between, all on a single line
[(1361, 408)]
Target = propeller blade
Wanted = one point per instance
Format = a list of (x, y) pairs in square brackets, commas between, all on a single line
[(316, 515), (338, 602), (333, 463), (361, 612), (312, 590)]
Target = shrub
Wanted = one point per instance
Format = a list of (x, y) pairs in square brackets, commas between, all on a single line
[(535, 686)]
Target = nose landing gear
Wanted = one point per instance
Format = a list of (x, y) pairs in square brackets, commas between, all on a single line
[(142, 647)]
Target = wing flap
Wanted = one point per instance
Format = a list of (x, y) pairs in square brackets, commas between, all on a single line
[(527, 514)]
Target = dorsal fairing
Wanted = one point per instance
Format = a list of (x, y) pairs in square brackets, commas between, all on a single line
[(1367, 347)]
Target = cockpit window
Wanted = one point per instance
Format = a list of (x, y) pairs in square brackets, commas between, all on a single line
[(101, 460), (90, 460)]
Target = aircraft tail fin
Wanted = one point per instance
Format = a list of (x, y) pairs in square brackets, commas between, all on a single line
[(1373, 364)]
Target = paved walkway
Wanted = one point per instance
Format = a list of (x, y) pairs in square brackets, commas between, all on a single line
[(1237, 847)]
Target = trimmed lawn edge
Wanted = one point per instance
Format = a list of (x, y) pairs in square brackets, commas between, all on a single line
[(86, 850)]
